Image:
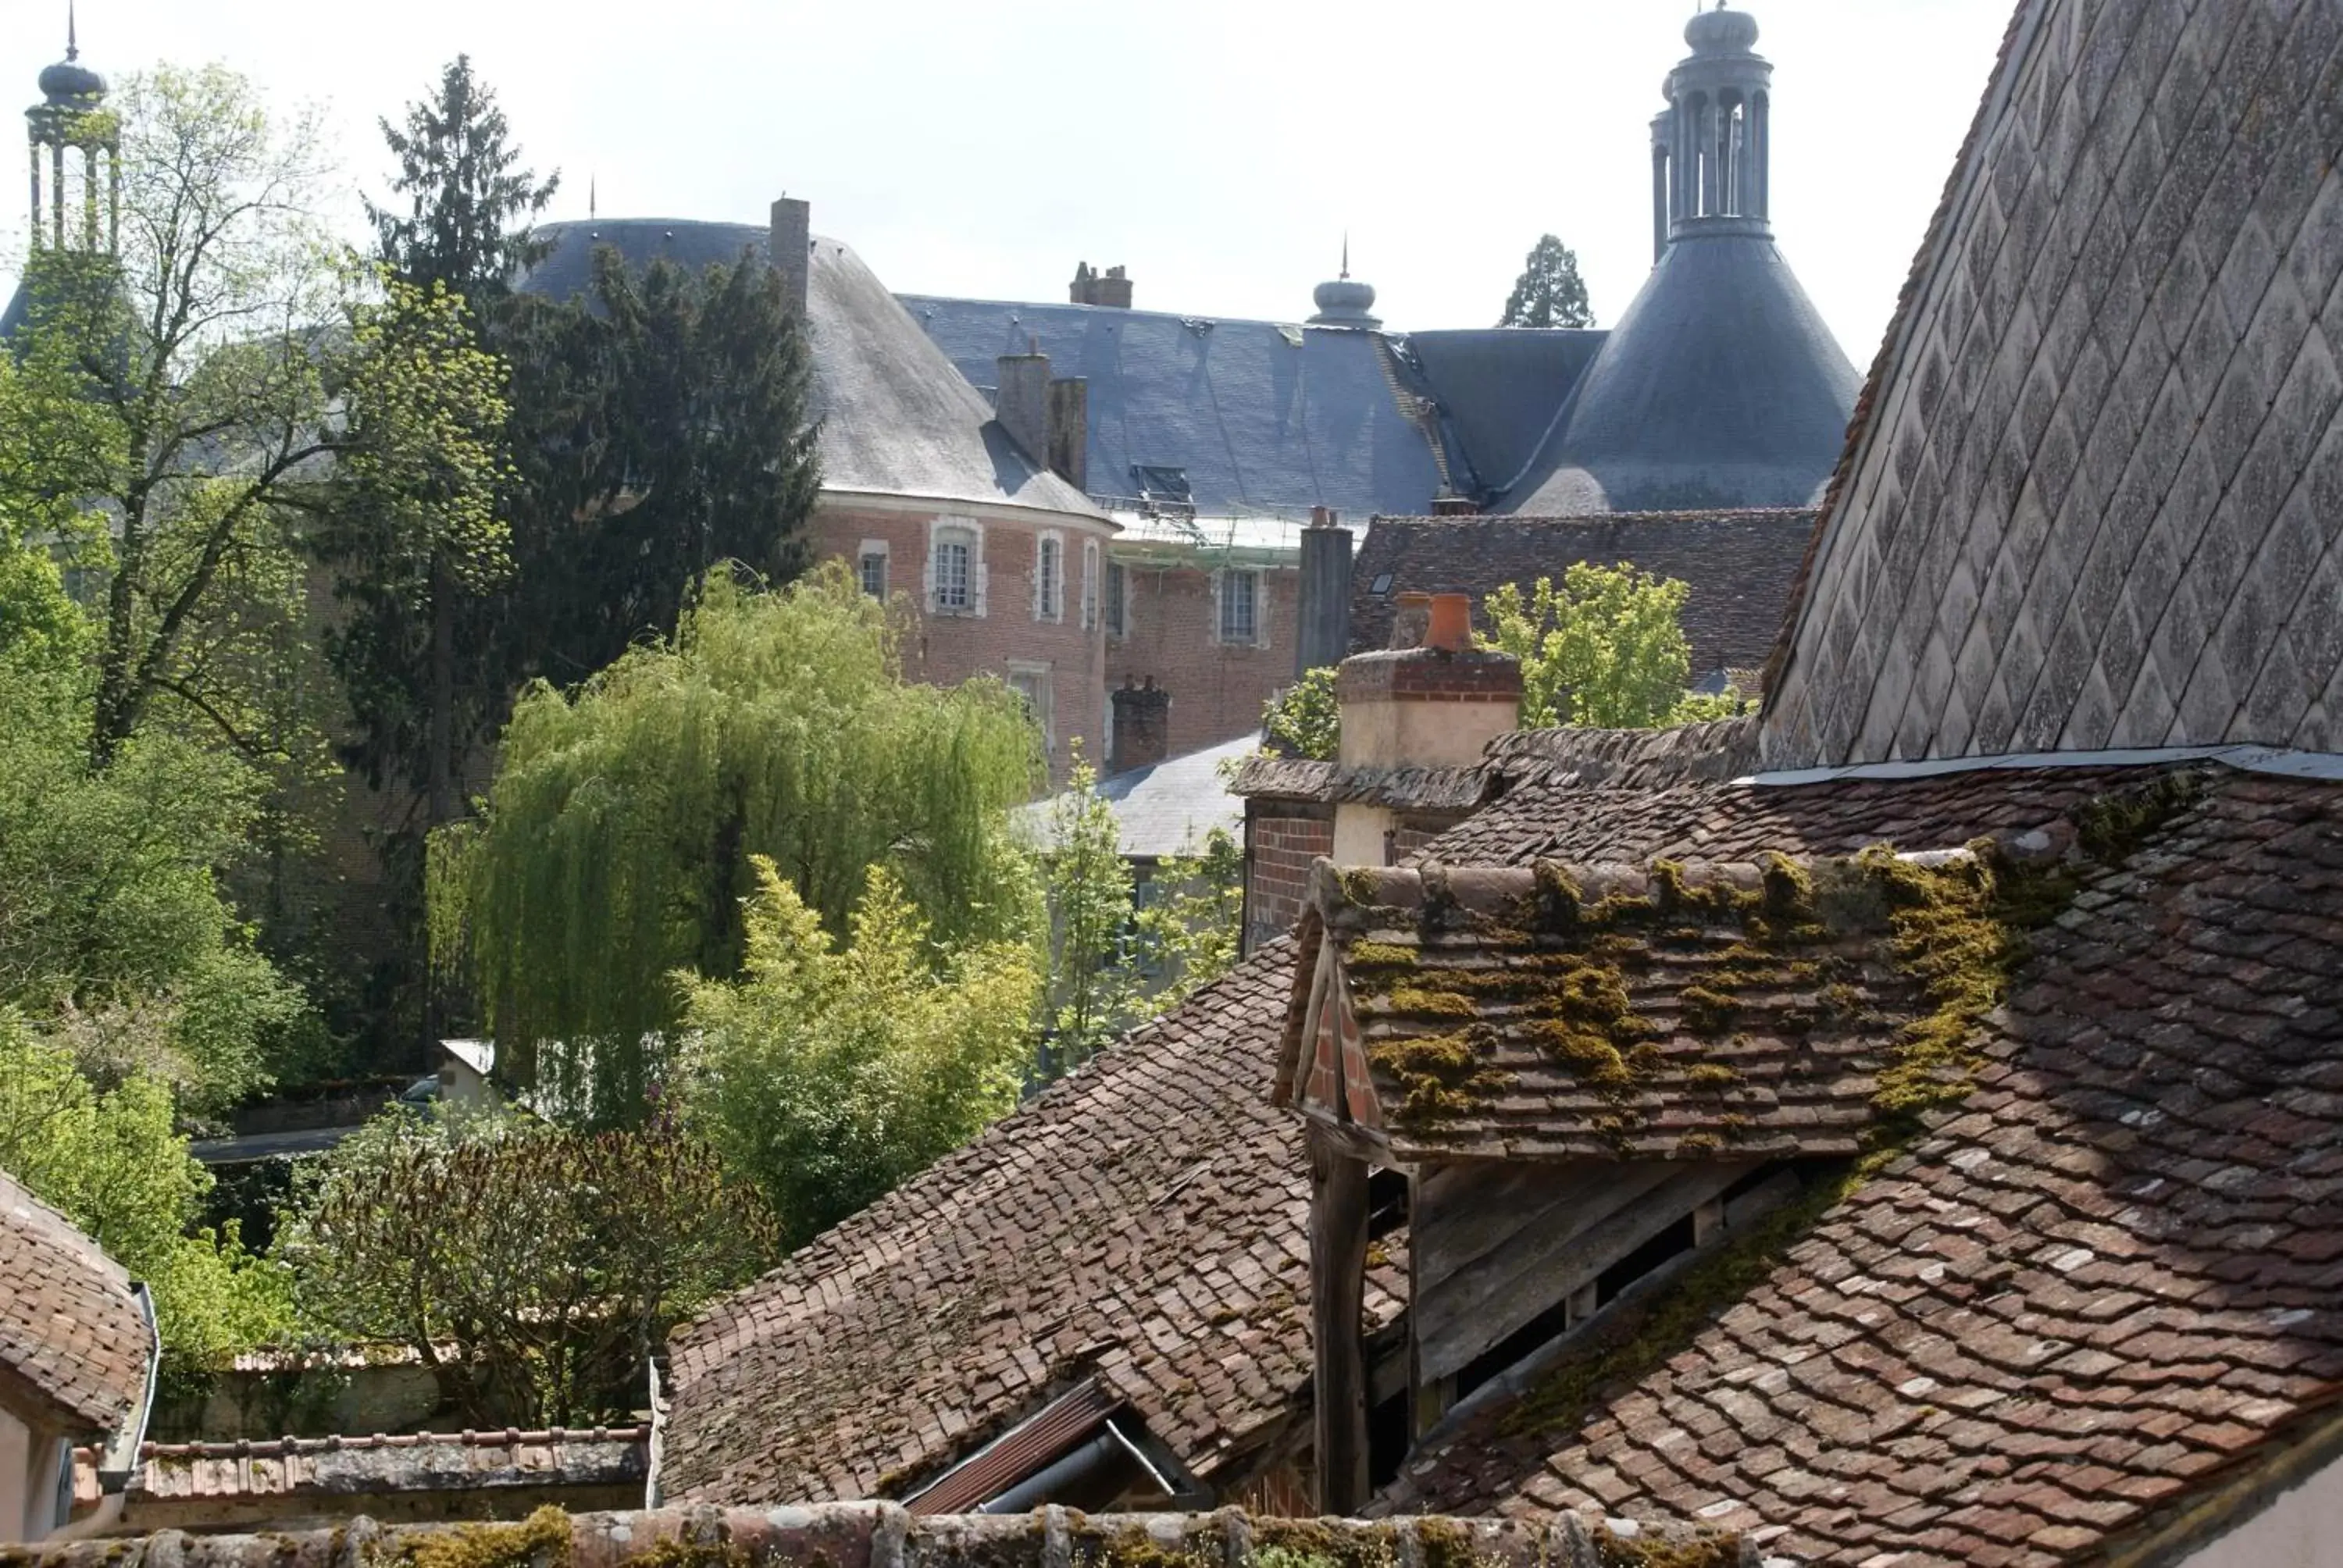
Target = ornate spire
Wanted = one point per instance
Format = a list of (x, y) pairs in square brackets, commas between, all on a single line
[(1344, 301), (72, 43), (1712, 144)]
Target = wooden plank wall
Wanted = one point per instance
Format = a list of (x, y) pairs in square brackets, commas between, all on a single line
[(1491, 1246)]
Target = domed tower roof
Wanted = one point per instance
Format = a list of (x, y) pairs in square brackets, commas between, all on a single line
[(1343, 300), (1720, 386), (69, 83)]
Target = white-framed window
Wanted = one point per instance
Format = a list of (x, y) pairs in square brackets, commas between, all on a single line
[(1090, 584), (955, 573), (870, 566), (1031, 681), (1049, 576), (1118, 590), (1238, 606)]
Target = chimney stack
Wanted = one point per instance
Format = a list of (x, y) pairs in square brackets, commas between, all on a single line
[(1325, 613), (1069, 430), (1111, 288), (1448, 504), (1022, 402), (790, 246), (1435, 706), (1143, 726)]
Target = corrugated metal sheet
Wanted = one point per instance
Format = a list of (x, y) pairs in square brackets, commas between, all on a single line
[(1018, 1453)]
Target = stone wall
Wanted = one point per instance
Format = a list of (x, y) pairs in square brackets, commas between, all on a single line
[(2098, 501)]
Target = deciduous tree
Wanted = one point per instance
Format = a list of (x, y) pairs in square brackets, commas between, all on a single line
[(1604, 650)]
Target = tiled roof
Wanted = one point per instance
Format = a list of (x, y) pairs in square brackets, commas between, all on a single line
[(2107, 1283), (295, 1468), (71, 1329), (884, 1535), (1166, 807), (2098, 496), (1739, 565), (1615, 1012), (1143, 1222)]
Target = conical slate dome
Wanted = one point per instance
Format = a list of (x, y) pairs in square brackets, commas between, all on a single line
[(1720, 388)]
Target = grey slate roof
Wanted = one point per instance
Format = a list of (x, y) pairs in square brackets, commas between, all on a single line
[(1167, 808), (1501, 390), (1740, 567), (1262, 415), (897, 417), (1720, 386)]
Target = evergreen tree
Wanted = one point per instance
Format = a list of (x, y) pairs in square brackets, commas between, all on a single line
[(1549, 292)]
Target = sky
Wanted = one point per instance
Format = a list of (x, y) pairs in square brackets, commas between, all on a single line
[(1220, 149)]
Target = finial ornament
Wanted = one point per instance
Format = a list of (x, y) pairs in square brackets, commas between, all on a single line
[(1346, 254), (72, 41)]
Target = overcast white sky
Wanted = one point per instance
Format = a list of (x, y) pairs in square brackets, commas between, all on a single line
[(1219, 148)]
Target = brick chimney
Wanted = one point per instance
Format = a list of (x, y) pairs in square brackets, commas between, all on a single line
[(1110, 288), (1143, 726), (1436, 706), (1069, 430), (790, 245), (1022, 402)]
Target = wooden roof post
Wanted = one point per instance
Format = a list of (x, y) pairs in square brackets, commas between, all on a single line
[(1338, 1276)]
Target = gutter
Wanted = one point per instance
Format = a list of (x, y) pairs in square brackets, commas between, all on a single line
[(119, 1461)]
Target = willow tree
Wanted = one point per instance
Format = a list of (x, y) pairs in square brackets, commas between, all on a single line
[(617, 843)]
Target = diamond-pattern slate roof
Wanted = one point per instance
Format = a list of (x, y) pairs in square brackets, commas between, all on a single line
[(1608, 1011), (71, 1331), (2096, 499), (1143, 1221), (2106, 1283)]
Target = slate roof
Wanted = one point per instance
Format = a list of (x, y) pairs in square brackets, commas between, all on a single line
[(1720, 386), (71, 1333), (2096, 496), (1143, 1222), (1502, 391), (1611, 1011), (2106, 1284), (1739, 565), (1168, 808), (1262, 415), (896, 418)]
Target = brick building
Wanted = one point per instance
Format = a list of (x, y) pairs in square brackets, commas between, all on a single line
[(934, 495)]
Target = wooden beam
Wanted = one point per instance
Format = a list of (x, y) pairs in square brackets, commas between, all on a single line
[(1338, 1280)]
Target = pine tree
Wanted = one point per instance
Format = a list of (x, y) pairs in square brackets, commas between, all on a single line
[(1549, 292)]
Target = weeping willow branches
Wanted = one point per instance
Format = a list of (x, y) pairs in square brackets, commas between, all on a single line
[(616, 844)]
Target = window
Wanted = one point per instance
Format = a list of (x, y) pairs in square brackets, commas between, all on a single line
[(1240, 607), (955, 568), (1117, 616), (1031, 683), (1090, 584), (1049, 578), (872, 566)]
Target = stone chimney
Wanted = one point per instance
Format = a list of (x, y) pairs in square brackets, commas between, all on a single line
[(1143, 726), (1448, 504), (1324, 633), (1111, 288), (791, 248), (1069, 430), (1436, 706), (1022, 402)]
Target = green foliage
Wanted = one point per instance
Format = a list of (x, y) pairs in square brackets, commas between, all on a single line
[(532, 1269), (110, 1160), (1190, 930), (1303, 720), (615, 847), (1093, 982), (1549, 292), (1605, 651), (830, 1073)]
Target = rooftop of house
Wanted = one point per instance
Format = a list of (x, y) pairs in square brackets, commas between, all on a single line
[(896, 418), (76, 1348), (1140, 1223), (1167, 807), (1739, 566), (2048, 1313)]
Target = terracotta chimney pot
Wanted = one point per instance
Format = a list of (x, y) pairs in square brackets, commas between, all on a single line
[(1452, 622)]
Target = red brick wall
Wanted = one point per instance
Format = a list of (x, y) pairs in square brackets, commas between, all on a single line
[(1171, 633), (946, 649), (1282, 838)]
